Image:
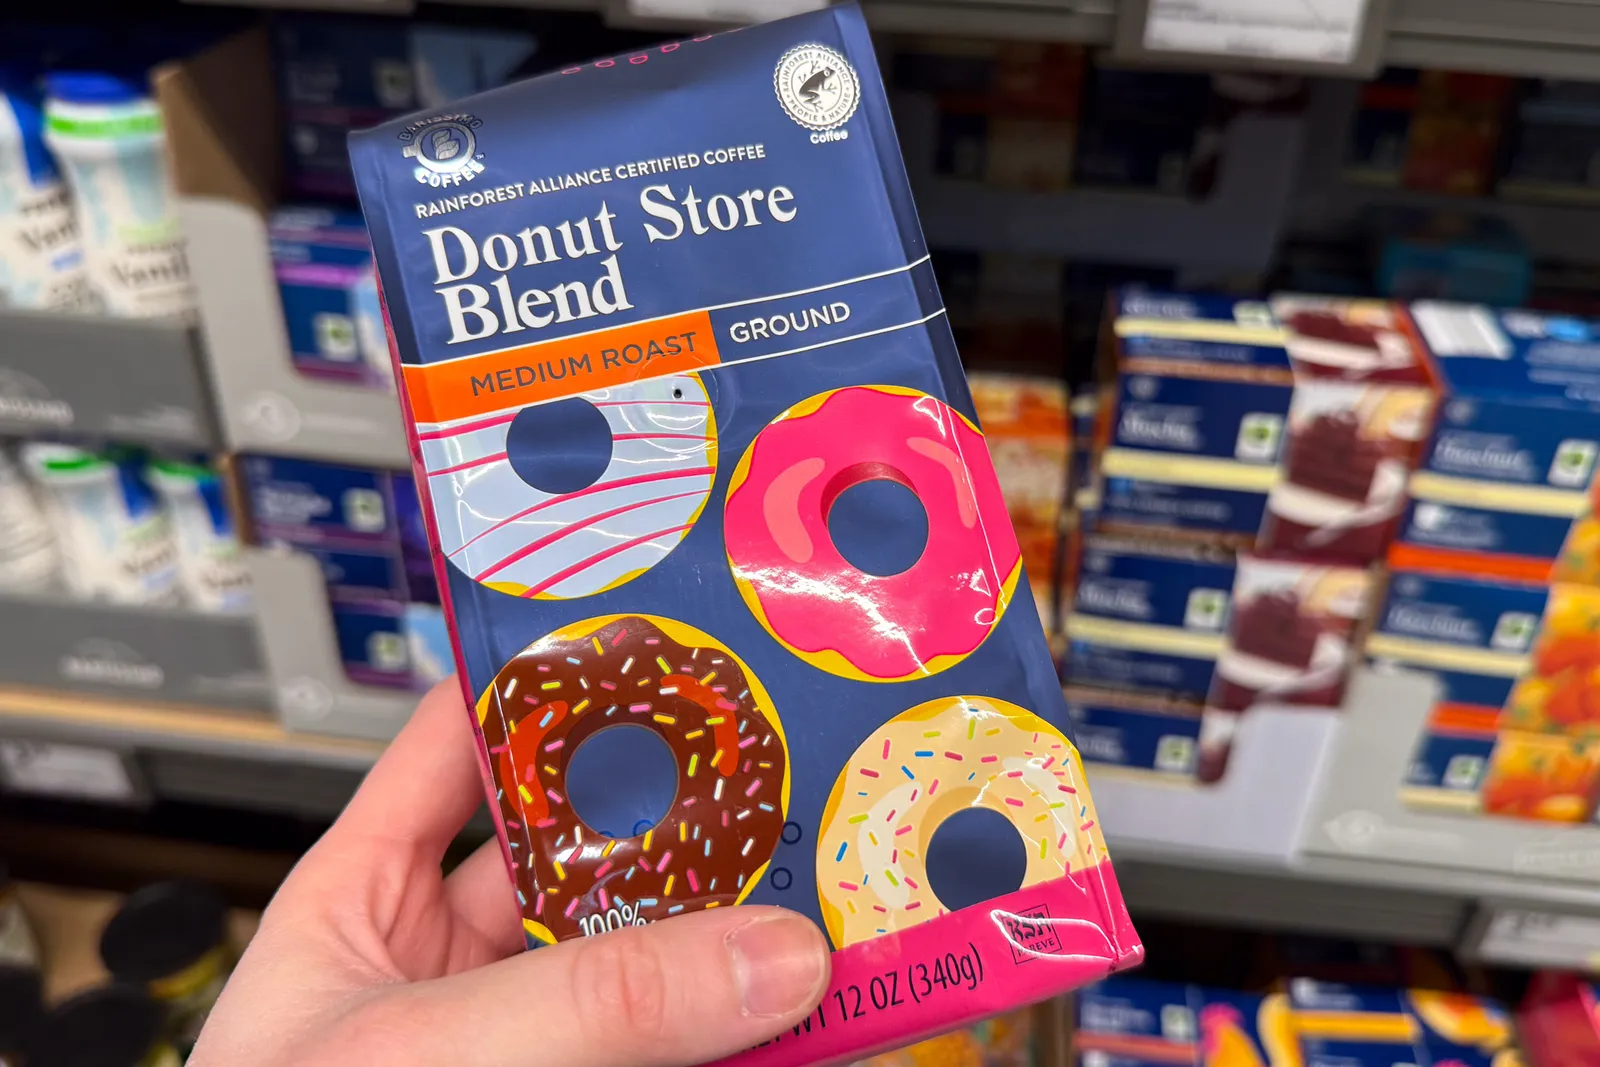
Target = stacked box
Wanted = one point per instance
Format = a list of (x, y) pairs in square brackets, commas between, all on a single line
[(365, 529), (1289, 427), (322, 259), (1143, 735), (1132, 1022), (1343, 1025), (1148, 616), (1555, 154), (1504, 488), (1437, 131), (1515, 727)]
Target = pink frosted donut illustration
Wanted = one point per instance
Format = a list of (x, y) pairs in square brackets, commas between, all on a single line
[(509, 535), (875, 628)]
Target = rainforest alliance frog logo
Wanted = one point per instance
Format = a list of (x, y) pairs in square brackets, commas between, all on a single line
[(445, 148), (817, 87)]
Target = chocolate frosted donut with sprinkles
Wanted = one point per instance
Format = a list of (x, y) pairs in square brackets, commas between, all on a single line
[(732, 794)]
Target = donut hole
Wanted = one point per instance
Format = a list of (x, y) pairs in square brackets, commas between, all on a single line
[(559, 447), (622, 780), (975, 855), (875, 520)]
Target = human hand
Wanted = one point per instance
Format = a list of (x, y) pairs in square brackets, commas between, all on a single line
[(368, 954)]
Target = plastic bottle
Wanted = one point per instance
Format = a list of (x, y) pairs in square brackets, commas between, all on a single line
[(27, 544), (110, 141), (211, 567), (116, 540), (41, 256)]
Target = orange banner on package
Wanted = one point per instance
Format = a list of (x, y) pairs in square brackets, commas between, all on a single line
[(514, 377)]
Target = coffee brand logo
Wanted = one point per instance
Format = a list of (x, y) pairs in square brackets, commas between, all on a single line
[(818, 88), (445, 148)]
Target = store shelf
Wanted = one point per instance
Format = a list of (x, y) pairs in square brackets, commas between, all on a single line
[(1232, 231), (135, 380), (130, 652), (1255, 813), (265, 405), (312, 692)]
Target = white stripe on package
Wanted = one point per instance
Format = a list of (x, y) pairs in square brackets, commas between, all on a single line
[(500, 530)]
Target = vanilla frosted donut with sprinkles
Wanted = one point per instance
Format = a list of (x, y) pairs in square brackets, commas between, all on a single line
[(912, 774), (508, 535), (726, 818)]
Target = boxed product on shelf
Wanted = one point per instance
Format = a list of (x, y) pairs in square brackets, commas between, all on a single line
[(1025, 421), (1437, 131), (1293, 634), (1448, 255), (1512, 460), (1514, 729), (1148, 616), (1555, 152), (322, 259), (1341, 1025), (1136, 732), (1135, 1022), (1290, 427), (338, 74), (364, 529)]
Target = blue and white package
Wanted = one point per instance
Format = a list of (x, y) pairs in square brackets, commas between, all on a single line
[(1148, 616), (322, 260), (1136, 732), (373, 642), (41, 256), (302, 501), (1512, 461), (697, 456)]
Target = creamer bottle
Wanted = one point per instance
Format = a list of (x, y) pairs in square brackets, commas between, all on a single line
[(211, 566), (110, 141), (41, 258)]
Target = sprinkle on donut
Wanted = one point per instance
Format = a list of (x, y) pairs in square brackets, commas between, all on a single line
[(914, 772), (733, 773)]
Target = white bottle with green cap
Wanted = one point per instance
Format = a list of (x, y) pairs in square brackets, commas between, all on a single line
[(116, 541), (109, 138), (210, 563), (41, 258), (27, 544)]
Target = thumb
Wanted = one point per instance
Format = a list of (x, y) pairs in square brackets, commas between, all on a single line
[(677, 992)]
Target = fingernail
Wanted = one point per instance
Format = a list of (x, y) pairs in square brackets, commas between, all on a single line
[(780, 964)]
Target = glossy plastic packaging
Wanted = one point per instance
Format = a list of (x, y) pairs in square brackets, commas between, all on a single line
[(735, 597)]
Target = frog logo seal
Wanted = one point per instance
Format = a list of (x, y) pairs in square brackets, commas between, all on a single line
[(817, 87)]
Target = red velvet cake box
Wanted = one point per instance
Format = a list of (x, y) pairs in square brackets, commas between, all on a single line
[(1292, 637), (1364, 399)]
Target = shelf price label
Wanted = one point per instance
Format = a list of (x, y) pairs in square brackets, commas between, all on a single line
[(77, 772), (1523, 937)]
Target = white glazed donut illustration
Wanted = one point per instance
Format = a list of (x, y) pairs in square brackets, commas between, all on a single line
[(508, 535)]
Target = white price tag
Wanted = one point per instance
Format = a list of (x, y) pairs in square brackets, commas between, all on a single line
[(65, 771), (1537, 939), (722, 10), (1312, 31)]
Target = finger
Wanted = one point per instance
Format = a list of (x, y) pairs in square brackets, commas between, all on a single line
[(481, 893), (426, 786), (677, 992)]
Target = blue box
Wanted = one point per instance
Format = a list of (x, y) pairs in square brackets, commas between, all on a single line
[(1135, 732), (1512, 459), (1148, 616), (1287, 428), (373, 642), (305, 502)]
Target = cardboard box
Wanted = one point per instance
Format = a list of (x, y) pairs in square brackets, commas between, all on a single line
[(1141, 734), (1516, 728), (1148, 616), (1504, 486), (1288, 428)]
